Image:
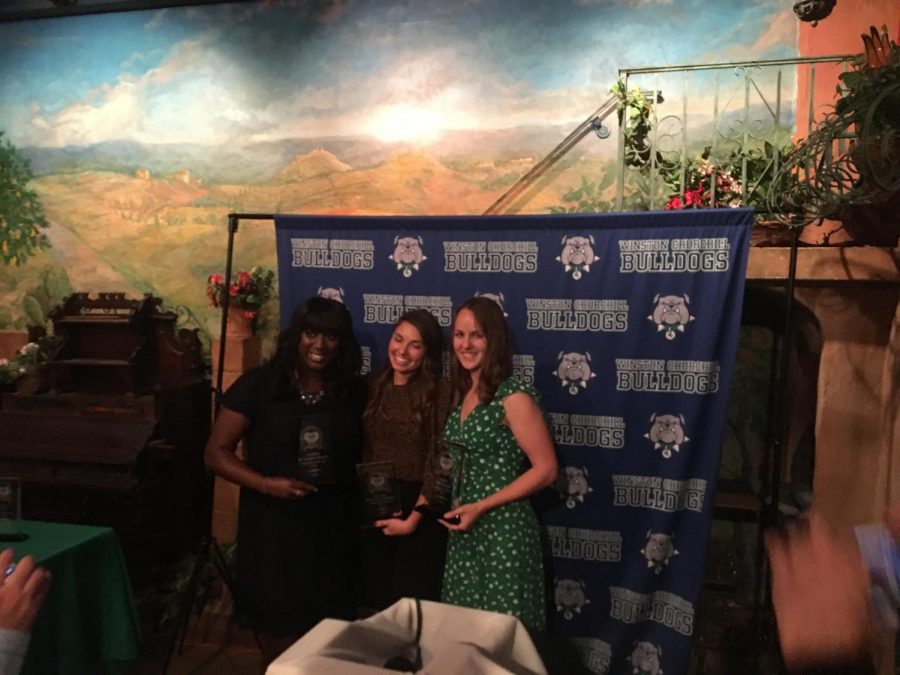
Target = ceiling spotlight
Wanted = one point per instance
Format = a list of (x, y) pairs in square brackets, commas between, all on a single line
[(813, 10)]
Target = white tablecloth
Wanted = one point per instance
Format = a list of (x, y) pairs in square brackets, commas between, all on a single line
[(455, 640)]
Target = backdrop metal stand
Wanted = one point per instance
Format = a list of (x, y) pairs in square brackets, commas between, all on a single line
[(233, 219), (208, 550), (771, 483), (770, 509)]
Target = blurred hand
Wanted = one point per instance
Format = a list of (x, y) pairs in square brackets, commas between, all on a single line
[(892, 520), (468, 515), (287, 488), (22, 593), (397, 527), (820, 592)]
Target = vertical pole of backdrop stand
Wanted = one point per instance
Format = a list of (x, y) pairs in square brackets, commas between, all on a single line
[(229, 260), (208, 549), (780, 429)]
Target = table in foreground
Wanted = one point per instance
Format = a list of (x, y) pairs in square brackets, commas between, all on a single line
[(88, 623), (452, 640)]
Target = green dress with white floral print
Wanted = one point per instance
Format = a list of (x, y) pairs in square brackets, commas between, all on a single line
[(497, 565)]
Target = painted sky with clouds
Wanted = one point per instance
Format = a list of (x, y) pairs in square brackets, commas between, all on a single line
[(399, 70)]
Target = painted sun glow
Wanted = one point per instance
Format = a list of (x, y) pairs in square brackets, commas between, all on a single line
[(407, 122)]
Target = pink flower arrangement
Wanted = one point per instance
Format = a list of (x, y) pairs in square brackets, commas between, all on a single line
[(698, 192), (248, 292)]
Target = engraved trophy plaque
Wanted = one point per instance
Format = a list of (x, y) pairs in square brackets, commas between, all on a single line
[(315, 461), (376, 487), (447, 480)]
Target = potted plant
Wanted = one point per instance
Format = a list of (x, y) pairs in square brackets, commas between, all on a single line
[(247, 294), (24, 371), (706, 186), (740, 178), (869, 93), (868, 98), (858, 186)]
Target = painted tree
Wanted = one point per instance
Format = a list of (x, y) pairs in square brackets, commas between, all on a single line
[(21, 214)]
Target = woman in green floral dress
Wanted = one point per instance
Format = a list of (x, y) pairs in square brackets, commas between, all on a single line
[(494, 551)]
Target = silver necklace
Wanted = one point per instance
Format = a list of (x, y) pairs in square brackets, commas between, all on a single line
[(310, 398), (307, 397)]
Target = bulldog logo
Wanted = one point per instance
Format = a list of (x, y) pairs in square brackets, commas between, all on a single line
[(671, 314), (645, 658), (667, 433), (569, 597), (408, 255), (378, 482), (496, 297), (332, 293), (572, 485), (577, 255), (574, 370), (659, 550), (445, 462), (311, 438)]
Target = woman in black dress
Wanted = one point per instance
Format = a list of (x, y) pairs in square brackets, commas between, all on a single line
[(299, 416)]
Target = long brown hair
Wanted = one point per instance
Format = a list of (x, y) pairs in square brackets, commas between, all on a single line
[(422, 383), (497, 363)]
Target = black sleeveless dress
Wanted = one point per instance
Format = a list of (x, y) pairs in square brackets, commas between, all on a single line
[(296, 560)]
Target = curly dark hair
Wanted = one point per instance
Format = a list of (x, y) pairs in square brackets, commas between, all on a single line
[(324, 316), (497, 363), (422, 383)]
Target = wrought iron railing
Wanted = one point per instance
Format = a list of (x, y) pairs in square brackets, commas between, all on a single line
[(697, 135), (720, 133)]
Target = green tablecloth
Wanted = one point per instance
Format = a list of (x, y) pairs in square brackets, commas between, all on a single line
[(88, 623)]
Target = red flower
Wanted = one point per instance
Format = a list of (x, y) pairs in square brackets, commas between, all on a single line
[(675, 203), (693, 198), (249, 291)]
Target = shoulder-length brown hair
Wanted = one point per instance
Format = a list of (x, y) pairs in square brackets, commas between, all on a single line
[(497, 363), (422, 383)]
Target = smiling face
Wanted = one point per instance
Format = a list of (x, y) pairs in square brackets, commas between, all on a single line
[(469, 342), (406, 351), (316, 350)]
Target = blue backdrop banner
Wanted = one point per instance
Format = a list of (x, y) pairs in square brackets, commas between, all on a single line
[(627, 324)]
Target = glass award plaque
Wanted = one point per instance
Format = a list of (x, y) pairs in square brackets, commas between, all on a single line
[(315, 457), (376, 488), (446, 480), (10, 509)]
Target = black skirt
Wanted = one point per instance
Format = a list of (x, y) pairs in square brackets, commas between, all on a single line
[(402, 567), (296, 561)]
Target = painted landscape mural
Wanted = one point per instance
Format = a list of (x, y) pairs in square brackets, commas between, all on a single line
[(145, 129)]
